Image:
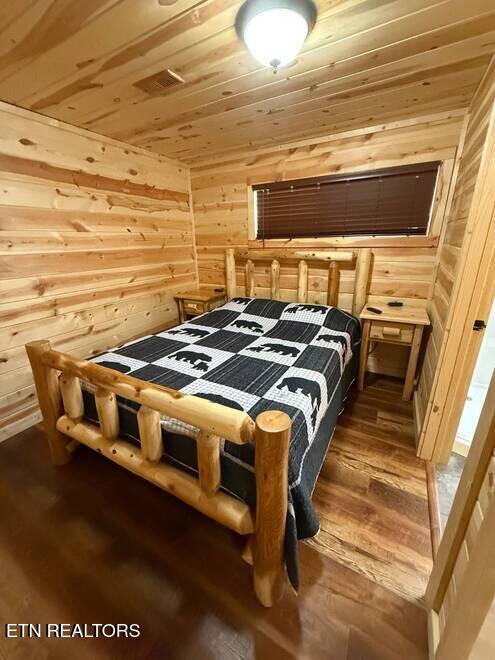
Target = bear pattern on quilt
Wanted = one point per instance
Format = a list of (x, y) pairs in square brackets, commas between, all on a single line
[(255, 355)]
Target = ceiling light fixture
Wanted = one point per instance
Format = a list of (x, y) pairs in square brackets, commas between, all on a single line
[(274, 30)]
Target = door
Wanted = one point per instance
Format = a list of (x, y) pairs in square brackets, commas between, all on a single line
[(461, 590), (478, 387)]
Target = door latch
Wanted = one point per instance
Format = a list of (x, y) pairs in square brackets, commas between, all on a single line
[(479, 324)]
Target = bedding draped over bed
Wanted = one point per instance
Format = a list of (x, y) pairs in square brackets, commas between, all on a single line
[(252, 355)]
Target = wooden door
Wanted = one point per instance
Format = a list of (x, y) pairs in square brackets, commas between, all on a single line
[(461, 589)]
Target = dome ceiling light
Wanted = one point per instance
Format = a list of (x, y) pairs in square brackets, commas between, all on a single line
[(274, 30)]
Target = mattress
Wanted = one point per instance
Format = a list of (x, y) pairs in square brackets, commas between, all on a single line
[(254, 355)]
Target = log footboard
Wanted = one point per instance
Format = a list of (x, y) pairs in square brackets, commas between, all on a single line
[(62, 407)]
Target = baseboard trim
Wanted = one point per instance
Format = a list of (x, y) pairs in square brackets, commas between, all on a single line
[(24, 420), (433, 634), (417, 416), (461, 447), (433, 507)]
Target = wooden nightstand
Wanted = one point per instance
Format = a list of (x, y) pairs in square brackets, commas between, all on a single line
[(194, 303), (395, 325)]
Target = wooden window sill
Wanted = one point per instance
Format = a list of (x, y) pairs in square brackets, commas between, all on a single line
[(347, 242)]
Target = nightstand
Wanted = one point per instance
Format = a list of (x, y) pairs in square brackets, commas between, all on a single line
[(395, 325), (194, 303)]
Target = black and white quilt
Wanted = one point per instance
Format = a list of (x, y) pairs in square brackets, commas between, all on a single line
[(256, 355)]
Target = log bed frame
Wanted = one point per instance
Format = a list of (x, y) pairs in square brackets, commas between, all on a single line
[(61, 404)]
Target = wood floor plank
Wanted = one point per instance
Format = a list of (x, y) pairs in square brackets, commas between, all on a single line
[(390, 465), (380, 536), (371, 496), (401, 504)]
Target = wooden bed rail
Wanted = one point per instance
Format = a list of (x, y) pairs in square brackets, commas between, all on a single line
[(234, 425), (363, 264), (62, 406)]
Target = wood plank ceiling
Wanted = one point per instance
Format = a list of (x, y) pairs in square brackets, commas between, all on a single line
[(366, 61)]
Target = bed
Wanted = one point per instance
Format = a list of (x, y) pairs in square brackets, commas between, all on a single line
[(232, 411)]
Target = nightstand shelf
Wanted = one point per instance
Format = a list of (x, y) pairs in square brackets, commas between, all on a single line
[(402, 326), (195, 303)]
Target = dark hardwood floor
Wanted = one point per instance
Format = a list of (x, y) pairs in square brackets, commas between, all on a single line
[(91, 543)]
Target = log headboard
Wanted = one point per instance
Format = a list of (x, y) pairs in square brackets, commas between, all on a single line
[(363, 263)]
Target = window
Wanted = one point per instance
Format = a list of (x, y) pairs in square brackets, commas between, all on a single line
[(396, 201)]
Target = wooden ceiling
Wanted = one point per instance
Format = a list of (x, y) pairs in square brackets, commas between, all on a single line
[(366, 61)]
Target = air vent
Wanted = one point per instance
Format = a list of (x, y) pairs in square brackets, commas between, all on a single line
[(159, 82)]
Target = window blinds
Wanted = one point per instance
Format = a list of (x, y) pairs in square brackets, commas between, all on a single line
[(386, 202)]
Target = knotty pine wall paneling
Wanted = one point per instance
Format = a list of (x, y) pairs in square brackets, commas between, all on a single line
[(402, 268), (96, 237), (450, 251)]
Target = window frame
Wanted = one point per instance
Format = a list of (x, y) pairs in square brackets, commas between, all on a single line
[(431, 239)]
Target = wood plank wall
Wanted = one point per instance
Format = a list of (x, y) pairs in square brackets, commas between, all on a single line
[(95, 238), (450, 251), (402, 268), (484, 646)]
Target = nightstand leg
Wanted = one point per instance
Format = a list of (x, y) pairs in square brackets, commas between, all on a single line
[(182, 314), (363, 358), (412, 364)]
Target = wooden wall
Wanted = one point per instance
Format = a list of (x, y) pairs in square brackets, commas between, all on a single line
[(449, 257), (95, 238), (484, 646), (402, 268), (467, 550)]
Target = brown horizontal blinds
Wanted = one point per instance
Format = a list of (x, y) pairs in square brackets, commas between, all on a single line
[(387, 202)]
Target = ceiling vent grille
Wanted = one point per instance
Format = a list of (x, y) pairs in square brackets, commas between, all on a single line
[(159, 83)]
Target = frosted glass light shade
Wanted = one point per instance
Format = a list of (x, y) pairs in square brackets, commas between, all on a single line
[(275, 36)]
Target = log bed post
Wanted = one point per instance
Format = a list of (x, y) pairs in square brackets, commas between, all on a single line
[(208, 447), (150, 434), (363, 263), (50, 401), (249, 279), (70, 389), (272, 437), (230, 274), (333, 284), (108, 413), (275, 280), (302, 282)]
